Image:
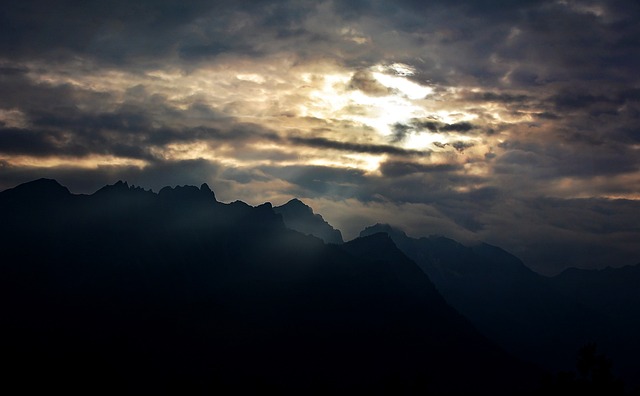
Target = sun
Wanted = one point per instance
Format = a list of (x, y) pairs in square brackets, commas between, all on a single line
[(405, 100)]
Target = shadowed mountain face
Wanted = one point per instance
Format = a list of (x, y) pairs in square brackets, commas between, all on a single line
[(509, 303), (173, 292), (615, 294), (300, 217)]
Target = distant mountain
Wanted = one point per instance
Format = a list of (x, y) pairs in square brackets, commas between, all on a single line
[(300, 217), (615, 291), (131, 291), (615, 294), (509, 303)]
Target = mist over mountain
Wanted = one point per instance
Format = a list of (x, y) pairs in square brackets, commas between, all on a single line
[(300, 217), (541, 319), (127, 289)]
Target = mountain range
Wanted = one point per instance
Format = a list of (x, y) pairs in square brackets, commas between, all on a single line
[(127, 289), (541, 319)]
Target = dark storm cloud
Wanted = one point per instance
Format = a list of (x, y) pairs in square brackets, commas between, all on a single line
[(69, 121), (365, 82), (47, 143), (490, 96), (336, 183), (32, 26), (112, 31), (123, 31), (403, 183), (567, 101), (435, 126), (528, 45), (141, 33), (457, 127), (616, 103), (547, 115), (468, 209), (38, 143), (401, 168), (123, 134), (230, 132), (356, 147), (22, 93), (144, 32), (244, 176), (12, 71), (552, 162), (461, 146), (401, 131)]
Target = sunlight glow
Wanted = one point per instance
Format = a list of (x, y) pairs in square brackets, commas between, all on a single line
[(316, 100), (333, 100), (13, 118), (367, 162), (408, 88), (419, 141), (91, 162), (383, 112)]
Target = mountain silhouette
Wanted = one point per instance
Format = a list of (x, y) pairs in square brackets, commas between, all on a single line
[(300, 217), (129, 290), (615, 295), (512, 305)]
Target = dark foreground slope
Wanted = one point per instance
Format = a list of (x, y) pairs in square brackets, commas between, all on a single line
[(508, 302), (130, 291), (615, 294)]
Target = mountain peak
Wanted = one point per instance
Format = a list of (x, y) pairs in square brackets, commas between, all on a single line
[(45, 189), (382, 228), (296, 201), (44, 183), (379, 240), (265, 206), (188, 193), (297, 205), (299, 216), (205, 187), (119, 188)]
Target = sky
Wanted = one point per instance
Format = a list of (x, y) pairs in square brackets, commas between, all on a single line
[(516, 123)]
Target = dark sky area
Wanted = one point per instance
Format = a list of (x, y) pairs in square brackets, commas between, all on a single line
[(512, 122)]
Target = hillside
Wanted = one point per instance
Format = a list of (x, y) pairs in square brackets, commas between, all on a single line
[(126, 289)]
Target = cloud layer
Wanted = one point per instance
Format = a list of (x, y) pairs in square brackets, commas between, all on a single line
[(517, 124)]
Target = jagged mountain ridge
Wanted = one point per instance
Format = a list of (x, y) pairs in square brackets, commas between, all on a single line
[(542, 319), (508, 302), (300, 217), (175, 290)]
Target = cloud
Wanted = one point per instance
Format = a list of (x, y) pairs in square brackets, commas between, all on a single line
[(401, 168), (490, 96), (365, 82), (356, 147), (457, 127), (401, 131), (272, 99), (461, 146)]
